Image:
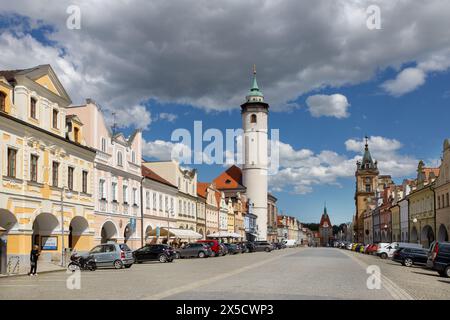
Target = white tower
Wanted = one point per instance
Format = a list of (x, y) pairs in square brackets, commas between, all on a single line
[(254, 172)]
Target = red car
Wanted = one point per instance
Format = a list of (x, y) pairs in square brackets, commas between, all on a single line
[(372, 249), (215, 246)]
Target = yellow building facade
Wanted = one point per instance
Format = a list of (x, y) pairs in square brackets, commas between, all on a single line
[(43, 160)]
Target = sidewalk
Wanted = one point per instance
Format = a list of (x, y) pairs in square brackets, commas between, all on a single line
[(43, 267)]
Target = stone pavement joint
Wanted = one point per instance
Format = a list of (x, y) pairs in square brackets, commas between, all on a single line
[(201, 283), (394, 290)]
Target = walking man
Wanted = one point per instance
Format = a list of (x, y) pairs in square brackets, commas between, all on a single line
[(34, 255)]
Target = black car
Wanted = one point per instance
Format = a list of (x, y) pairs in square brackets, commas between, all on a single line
[(279, 245), (410, 256), (249, 246), (232, 248), (154, 252), (439, 258)]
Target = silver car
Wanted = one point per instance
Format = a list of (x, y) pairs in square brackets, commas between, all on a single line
[(112, 255)]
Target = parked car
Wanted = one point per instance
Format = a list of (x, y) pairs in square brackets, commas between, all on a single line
[(200, 250), (439, 258), (263, 246), (349, 246), (116, 255), (232, 248), (279, 245), (410, 256), (249, 246), (224, 249), (241, 247), (154, 252), (214, 245), (372, 249), (290, 243), (388, 250)]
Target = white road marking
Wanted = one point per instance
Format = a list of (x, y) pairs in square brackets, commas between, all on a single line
[(394, 290), (200, 283)]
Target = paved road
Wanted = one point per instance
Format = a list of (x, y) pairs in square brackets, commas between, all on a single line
[(301, 273)]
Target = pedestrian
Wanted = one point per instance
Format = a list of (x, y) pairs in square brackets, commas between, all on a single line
[(34, 256)]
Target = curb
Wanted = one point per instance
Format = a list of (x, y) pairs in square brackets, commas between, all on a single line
[(26, 274)]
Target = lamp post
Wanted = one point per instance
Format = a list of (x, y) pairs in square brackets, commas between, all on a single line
[(170, 212), (68, 195)]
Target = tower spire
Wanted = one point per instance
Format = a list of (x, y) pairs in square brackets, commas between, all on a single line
[(255, 95)]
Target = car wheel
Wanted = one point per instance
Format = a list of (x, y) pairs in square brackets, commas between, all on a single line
[(383, 255), (267, 250), (177, 255), (201, 254), (447, 272), (162, 258), (247, 250), (128, 266), (408, 262), (118, 264)]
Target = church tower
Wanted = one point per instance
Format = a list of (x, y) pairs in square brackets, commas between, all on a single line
[(254, 143), (366, 186)]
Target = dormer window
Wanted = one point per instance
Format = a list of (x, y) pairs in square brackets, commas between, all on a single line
[(76, 134), (33, 108), (103, 145), (253, 118), (55, 118), (2, 101), (119, 158)]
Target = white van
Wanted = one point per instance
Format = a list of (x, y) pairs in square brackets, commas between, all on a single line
[(290, 243), (388, 251)]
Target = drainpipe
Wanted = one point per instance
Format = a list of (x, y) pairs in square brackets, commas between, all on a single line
[(409, 222), (142, 211)]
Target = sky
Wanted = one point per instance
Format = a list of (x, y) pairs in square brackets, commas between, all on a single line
[(329, 76)]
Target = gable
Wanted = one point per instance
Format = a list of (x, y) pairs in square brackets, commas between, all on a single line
[(46, 82)]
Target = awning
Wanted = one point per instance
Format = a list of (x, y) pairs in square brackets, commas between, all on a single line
[(176, 233), (224, 234)]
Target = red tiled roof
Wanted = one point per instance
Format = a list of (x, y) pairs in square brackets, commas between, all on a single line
[(202, 187), (150, 174), (427, 172), (229, 179)]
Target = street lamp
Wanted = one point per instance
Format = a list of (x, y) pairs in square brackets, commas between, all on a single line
[(168, 224), (69, 196)]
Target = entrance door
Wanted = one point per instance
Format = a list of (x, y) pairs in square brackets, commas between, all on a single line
[(3, 256)]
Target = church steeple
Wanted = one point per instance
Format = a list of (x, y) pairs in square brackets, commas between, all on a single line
[(367, 162), (255, 94)]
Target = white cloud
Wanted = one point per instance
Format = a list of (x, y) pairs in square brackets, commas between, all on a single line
[(164, 150), (406, 81), (201, 53), (334, 105), (303, 169), (171, 117)]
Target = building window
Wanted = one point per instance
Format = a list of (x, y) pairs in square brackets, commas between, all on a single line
[(154, 200), (70, 178), (368, 188), (253, 118), (33, 108), (33, 167), (179, 206), (119, 158), (76, 134), (103, 145), (135, 197), (55, 118), (133, 157), (114, 191), (12, 155), (85, 182), (166, 199), (125, 195), (101, 190), (439, 202), (147, 199), (2, 101), (171, 204), (55, 172), (160, 202)]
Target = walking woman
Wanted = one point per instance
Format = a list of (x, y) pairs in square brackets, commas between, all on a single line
[(34, 256)]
